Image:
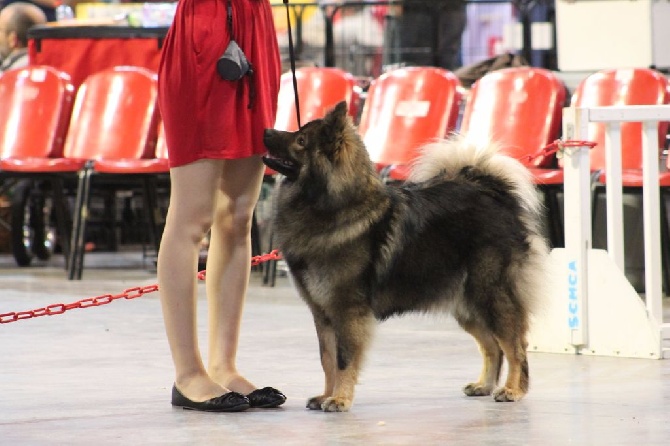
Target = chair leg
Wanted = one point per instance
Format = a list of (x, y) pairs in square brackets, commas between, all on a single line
[(556, 231), (255, 236), (665, 240), (62, 218), (595, 193), (109, 198), (151, 205), (75, 266)]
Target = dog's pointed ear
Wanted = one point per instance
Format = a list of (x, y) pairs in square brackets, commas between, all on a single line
[(337, 117), (335, 130)]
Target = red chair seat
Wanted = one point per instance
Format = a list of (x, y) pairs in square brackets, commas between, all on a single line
[(42, 165), (633, 178), (130, 166), (540, 176), (547, 176), (398, 172)]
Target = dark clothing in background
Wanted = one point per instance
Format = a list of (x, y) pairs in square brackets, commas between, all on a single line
[(431, 31)]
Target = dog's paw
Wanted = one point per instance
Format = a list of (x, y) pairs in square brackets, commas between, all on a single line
[(505, 394), (315, 402), (477, 389), (334, 404)]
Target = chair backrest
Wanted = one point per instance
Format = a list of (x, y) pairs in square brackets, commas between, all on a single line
[(36, 103), (115, 116), (406, 108), (520, 108), (623, 86), (161, 143), (319, 90)]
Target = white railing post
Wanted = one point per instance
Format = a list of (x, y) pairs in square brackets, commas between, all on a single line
[(577, 225), (652, 223), (604, 313), (614, 194)]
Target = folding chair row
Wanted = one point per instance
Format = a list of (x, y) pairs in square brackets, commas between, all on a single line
[(107, 129), (519, 108), (114, 120), (408, 107)]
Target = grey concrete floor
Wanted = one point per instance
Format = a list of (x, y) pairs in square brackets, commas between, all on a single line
[(102, 376)]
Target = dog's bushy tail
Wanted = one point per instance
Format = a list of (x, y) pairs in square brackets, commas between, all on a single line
[(448, 158)]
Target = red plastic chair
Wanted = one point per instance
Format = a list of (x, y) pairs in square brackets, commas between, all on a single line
[(521, 108), (30, 96), (319, 90), (114, 117), (161, 146), (113, 131), (623, 86), (626, 86), (405, 109), (36, 106)]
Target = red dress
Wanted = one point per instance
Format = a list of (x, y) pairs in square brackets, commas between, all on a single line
[(204, 115)]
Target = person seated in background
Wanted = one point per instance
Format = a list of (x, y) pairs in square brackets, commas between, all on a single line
[(48, 7), (15, 20)]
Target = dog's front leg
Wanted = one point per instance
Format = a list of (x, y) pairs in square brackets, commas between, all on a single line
[(327, 351), (353, 332)]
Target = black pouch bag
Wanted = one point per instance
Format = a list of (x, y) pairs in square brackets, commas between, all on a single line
[(233, 65)]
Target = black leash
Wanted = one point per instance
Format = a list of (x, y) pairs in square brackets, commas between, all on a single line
[(292, 58)]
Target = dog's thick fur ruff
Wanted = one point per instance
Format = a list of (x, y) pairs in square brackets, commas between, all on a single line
[(461, 236)]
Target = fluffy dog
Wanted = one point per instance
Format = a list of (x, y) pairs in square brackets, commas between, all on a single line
[(462, 235)]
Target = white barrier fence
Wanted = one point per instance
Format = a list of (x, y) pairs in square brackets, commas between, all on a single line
[(592, 308)]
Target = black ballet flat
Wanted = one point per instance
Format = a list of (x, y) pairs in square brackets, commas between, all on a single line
[(266, 398), (228, 402)]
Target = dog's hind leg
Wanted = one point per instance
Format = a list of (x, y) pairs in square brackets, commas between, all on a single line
[(492, 356), (514, 347)]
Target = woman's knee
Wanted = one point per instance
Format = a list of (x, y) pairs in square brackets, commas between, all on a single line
[(235, 220), (191, 225)]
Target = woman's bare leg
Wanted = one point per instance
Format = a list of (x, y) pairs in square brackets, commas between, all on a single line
[(228, 267), (192, 202)]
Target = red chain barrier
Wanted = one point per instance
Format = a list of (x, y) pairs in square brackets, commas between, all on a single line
[(130, 293), (255, 261), (557, 147)]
